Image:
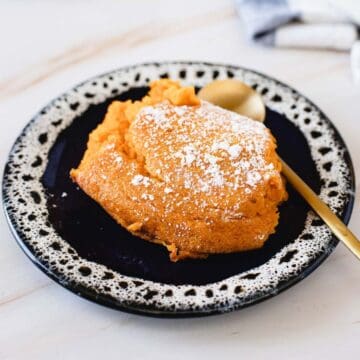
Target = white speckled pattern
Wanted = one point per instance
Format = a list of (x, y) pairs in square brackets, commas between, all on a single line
[(311, 246)]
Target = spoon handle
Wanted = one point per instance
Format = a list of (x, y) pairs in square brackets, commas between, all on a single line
[(333, 222)]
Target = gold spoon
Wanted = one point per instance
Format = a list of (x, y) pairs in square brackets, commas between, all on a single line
[(236, 96)]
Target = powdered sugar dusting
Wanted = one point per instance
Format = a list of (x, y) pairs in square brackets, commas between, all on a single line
[(204, 148), (140, 180), (147, 197)]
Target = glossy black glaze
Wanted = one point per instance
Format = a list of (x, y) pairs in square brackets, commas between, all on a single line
[(97, 237)]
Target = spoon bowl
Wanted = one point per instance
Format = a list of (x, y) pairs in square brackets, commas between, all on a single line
[(236, 96)]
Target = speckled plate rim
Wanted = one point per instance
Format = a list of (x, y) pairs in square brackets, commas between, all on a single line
[(149, 309)]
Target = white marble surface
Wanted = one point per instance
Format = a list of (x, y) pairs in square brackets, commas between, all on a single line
[(48, 46)]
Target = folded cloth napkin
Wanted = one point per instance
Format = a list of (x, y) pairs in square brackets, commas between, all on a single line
[(304, 24)]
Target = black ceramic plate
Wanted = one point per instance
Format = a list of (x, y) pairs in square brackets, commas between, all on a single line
[(77, 244)]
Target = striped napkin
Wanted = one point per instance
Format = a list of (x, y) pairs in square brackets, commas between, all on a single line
[(331, 25)]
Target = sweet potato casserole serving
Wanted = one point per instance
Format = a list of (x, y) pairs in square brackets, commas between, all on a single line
[(184, 173)]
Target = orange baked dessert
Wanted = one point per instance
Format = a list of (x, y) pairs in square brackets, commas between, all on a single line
[(184, 173)]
